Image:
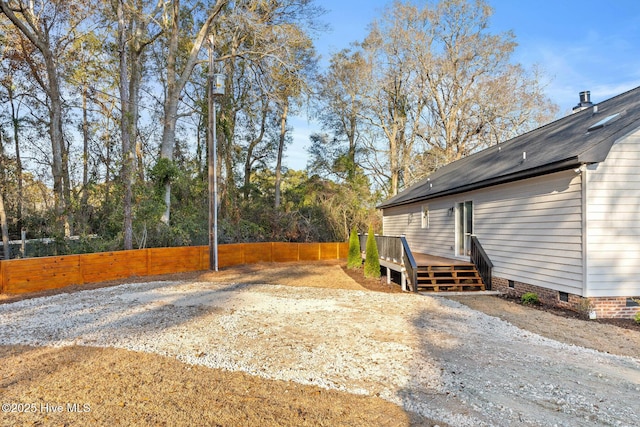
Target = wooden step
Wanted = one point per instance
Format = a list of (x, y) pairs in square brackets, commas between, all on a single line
[(449, 278)]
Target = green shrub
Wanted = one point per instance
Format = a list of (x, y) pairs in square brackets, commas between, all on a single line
[(372, 258), (637, 318), (530, 298), (354, 259), (164, 171)]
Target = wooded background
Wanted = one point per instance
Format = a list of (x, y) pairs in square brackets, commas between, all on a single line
[(103, 115)]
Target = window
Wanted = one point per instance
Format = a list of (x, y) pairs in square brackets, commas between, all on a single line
[(425, 216), (464, 228)]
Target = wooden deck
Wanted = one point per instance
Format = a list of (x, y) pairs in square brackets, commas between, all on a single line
[(426, 272), (436, 274)]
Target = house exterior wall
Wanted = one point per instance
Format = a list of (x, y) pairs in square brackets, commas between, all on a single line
[(531, 229), (438, 239), (613, 221)]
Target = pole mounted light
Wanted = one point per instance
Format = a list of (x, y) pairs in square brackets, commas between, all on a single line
[(218, 84), (215, 88)]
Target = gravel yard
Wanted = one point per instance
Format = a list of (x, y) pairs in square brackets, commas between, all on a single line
[(429, 355)]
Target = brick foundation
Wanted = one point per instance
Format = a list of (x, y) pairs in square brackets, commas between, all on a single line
[(603, 307)]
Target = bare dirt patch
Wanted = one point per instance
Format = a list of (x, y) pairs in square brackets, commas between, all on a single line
[(560, 326)]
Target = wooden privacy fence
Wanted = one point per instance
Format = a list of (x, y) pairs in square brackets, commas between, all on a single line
[(37, 274)]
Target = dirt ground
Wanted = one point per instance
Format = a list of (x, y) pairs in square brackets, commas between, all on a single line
[(106, 386)]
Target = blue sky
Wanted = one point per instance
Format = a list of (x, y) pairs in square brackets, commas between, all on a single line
[(579, 44)]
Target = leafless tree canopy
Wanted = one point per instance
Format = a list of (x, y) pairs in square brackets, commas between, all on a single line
[(104, 114)]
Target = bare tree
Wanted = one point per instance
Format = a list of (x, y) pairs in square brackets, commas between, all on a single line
[(46, 26), (289, 85), (341, 91), (5, 230), (15, 102), (442, 86), (266, 52), (473, 94)]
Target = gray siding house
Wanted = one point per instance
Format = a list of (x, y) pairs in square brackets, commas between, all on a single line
[(557, 210)]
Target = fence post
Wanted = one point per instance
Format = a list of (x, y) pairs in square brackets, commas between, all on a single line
[(23, 246)]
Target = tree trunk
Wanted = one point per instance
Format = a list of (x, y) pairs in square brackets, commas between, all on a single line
[(351, 134), (252, 145), (283, 134), (16, 139), (125, 129), (3, 215), (57, 143), (166, 149), (5, 228), (83, 218)]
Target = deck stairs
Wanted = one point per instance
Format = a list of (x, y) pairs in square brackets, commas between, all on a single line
[(450, 278), (431, 273)]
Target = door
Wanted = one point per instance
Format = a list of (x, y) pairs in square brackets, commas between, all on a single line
[(464, 228)]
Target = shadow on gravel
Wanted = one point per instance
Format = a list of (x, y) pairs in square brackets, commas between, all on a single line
[(127, 310), (494, 373)]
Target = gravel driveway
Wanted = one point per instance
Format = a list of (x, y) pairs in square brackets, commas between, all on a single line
[(429, 355)]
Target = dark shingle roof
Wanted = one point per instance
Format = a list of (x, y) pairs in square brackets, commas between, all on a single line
[(565, 143)]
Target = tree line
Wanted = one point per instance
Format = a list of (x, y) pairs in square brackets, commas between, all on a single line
[(104, 115)]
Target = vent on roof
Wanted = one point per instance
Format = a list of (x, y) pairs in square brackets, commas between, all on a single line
[(585, 101), (602, 123)]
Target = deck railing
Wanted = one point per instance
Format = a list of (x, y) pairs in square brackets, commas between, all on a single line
[(409, 264), (482, 262), (389, 247), (395, 249)]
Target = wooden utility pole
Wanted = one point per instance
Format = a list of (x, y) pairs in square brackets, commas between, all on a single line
[(211, 163), (215, 89)]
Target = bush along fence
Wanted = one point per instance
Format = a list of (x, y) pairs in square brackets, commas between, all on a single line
[(38, 274)]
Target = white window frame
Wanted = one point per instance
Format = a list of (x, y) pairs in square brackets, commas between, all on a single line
[(425, 217)]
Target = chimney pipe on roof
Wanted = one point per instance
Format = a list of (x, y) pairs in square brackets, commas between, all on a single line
[(585, 97), (585, 101)]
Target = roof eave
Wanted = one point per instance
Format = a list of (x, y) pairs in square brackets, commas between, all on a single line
[(504, 179)]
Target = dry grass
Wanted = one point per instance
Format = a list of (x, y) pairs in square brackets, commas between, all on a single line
[(127, 388)]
